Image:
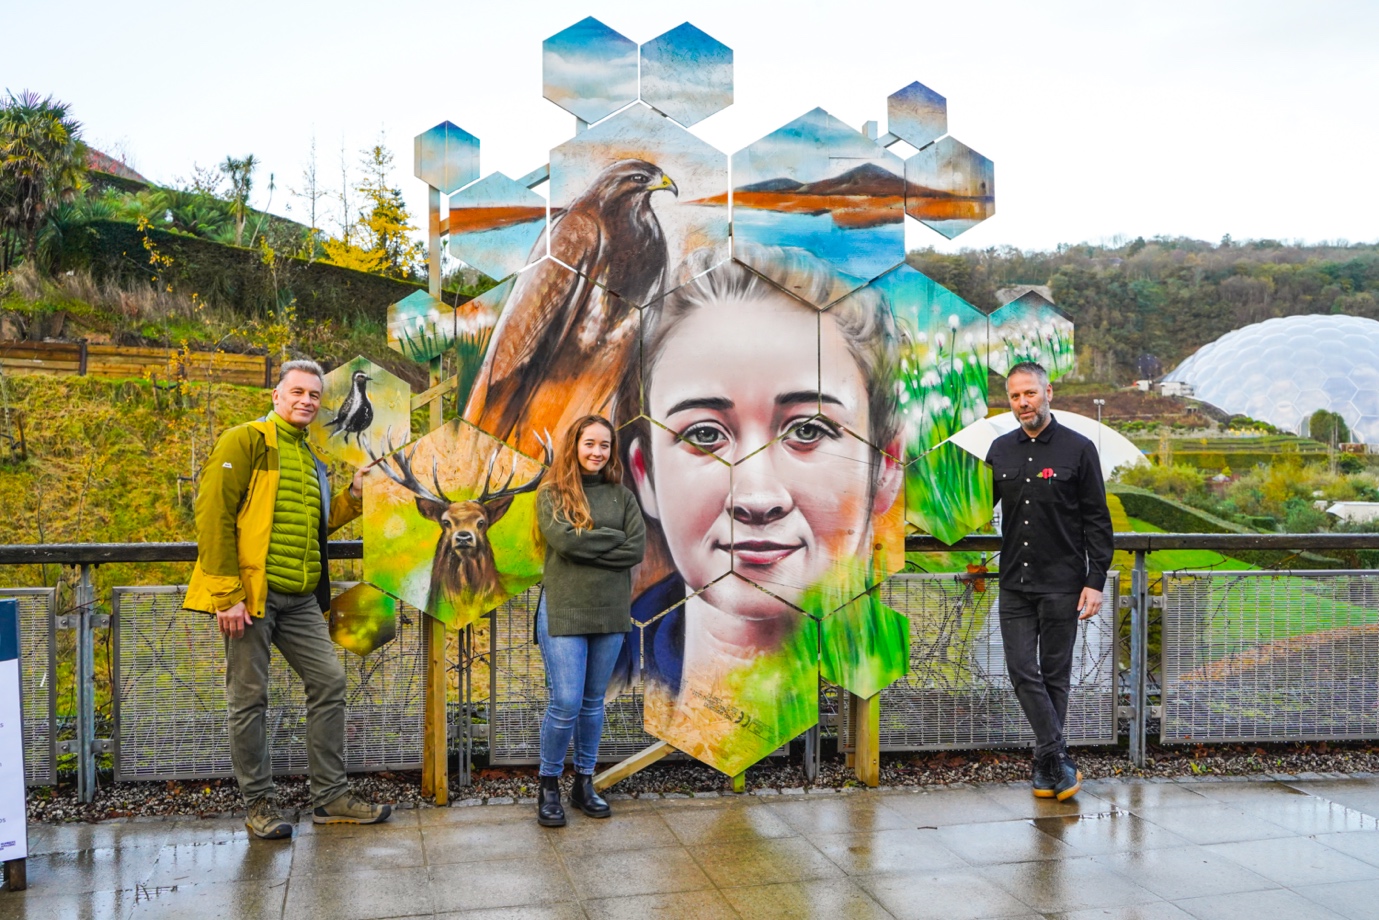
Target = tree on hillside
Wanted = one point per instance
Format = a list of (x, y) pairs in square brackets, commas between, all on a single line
[(1327, 427), (311, 192), (379, 240), (241, 175), (42, 164)]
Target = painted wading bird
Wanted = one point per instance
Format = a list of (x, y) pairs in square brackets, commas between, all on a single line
[(561, 345), (355, 414)]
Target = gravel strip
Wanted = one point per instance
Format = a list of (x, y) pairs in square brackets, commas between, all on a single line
[(685, 779)]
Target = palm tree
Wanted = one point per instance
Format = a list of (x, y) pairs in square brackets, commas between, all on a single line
[(241, 175), (42, 163)]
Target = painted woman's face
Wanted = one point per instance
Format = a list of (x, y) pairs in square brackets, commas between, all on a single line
[(749, 474)]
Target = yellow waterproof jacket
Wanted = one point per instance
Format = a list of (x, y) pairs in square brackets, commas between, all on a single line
[(234, 520)]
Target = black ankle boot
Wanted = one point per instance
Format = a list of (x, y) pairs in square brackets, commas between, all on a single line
[(582, 794), (549, 812)]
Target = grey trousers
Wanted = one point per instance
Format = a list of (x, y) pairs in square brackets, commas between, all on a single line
[(295, 625)]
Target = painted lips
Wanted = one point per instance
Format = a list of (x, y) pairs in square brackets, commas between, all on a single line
[(760, 552)]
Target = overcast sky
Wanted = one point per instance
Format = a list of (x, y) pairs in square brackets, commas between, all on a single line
[(1254, 118)]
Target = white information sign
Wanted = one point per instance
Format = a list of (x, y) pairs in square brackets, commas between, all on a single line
[(14, 837)]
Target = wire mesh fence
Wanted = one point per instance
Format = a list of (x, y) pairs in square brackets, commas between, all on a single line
[(958, 694), (169, 695), (38, 670), (1270, 656)]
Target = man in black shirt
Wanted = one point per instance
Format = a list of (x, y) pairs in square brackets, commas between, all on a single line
[(1056, 545)]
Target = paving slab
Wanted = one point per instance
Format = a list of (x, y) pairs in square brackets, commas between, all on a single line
[(1122, 850)]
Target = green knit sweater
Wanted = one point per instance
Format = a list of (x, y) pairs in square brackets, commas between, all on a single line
[(294, 552), (588, 576)]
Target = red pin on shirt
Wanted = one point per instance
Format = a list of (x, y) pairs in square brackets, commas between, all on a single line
[(1047, 473)]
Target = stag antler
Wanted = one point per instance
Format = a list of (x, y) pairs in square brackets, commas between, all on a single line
[(503, 490), (408, 479)]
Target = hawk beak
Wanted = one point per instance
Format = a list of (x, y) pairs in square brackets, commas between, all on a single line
[(667, 184)]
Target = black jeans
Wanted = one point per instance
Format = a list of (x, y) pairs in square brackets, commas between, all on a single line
[(1038, 632)]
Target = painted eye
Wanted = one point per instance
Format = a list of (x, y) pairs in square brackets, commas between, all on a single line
[(705, 437), (481, 525), (643, 178), (811, 432)]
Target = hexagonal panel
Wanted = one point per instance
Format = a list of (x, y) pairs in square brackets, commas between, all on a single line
[(818, 516), (941, 370), (639, 205), (362, 407), (818, 207), (729, 711), (495, 223), (858, 366), (864, 647), (446, 157), (917, 115), (559, 349), (589, 70), (948, 493), (687, 74), (363, 619), (420, 326), (949, 187), (448, 525), (1031, 328), (475, 321)]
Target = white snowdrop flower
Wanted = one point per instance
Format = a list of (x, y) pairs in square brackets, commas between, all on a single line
[(952, 321), (922, 338), (957, 365), (938, 340), (930, 379), (1037, 352)]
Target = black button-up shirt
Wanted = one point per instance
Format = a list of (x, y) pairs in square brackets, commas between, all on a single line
[(1056, 535)]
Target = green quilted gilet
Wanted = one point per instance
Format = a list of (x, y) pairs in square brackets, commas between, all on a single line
[(294, 552)]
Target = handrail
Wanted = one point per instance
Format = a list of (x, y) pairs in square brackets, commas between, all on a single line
[(106, 553)]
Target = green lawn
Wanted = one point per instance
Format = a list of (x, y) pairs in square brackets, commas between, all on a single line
[(1176, 560)]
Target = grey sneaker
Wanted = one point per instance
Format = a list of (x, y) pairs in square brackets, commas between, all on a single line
[(265, 820), (350, 809)]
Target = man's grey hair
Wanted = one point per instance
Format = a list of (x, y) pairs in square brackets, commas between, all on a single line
[(303, 365), (1033, 368)]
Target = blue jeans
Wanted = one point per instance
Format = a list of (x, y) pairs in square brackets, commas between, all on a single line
[(578, 669)]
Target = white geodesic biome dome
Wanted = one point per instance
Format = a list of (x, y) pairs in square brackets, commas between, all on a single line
[(1282, 370)]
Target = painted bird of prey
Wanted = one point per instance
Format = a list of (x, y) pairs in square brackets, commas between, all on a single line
[(355, 414), (560, 347)]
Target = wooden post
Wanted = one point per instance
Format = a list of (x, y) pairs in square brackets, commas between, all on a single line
[(740, 782), (638, 761), (16, 875), (867, 739), (435, 774)]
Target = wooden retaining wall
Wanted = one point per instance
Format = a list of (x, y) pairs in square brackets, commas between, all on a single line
[(116, 362)]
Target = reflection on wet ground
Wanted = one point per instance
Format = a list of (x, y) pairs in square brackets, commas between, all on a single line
[(1255, 849)]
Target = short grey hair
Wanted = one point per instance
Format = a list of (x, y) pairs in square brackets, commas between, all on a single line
[(1033, 368), (303, 365)]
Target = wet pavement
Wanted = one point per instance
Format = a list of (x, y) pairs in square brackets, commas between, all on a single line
[(1260, 850)]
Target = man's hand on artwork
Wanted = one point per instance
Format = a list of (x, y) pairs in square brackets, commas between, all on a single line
[(357, 485), (234, 621), (1089, 604)]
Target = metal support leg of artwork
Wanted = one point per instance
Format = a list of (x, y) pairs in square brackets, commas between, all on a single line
[(867, 759), (86, 688), (1139, 646), (466, 680), (740, 782), (811, 754), (637, 762)]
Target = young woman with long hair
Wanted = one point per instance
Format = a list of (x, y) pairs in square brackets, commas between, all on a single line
[(594, 535)]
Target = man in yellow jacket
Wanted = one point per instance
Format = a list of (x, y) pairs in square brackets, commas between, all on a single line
[(263, 512)]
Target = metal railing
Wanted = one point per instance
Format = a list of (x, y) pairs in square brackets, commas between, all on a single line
[(1236, 662)]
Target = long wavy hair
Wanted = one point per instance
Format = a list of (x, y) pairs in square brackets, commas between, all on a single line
[(564, 481)]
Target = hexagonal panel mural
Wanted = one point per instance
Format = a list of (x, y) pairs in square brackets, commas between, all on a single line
[(638, 205), (363, 619), (446, 157), (559, 349), (447, 527), (363, 407), (864, 646), (949, 187), (1030, 328), (494, 224), (589, 70), (722, 710), (818, 207), (917, 115), (420, 326), (948, 493), (687, 74)]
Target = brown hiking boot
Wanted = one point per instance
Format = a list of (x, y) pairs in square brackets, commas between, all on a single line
[(266, 820), (350, 809)]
